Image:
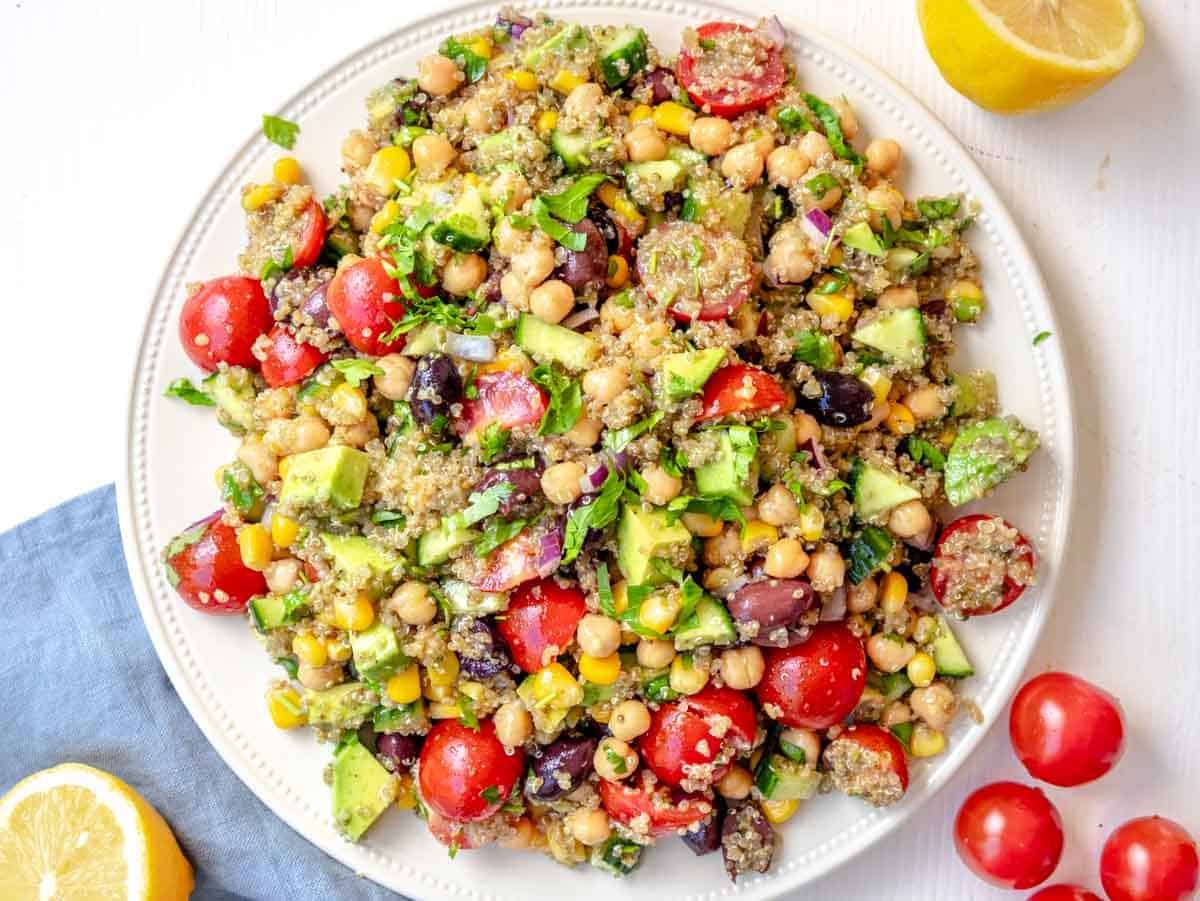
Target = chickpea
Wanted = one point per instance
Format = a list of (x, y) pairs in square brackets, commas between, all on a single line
[(862, 597), (614, 760), (522, 836), (513, 724), (356, 434), (508, 239), (397, 376), (464, 273), (598, 635), (661, 486), (282, 575), (616, 317), (432, 154), (894, 714), (650, 342), (512, 189), (787, 165), (590, 827), (514, 291), (889, 655), (702, 525), (605, 383), (644, 144), (764, 144), (742, 165), (717, 578), (815, 145), (413, 604), (807, 428), (925, 403), (777, 506), (786, 559), (654, 653), (723, 548), (357, 150), (260, 461), (438, 75), (295, 436), (742, 668), (533, 264), (319, 678), (552, 300), (879, 413), (826, 569), (629, 719), (884, 200), (583, 100), (735, 784), (936, 705), (847, 119), (711, 135), (910, 519), (899, 298), (829, 199), (883, 156), (807, 741), (560, 482), (790, 262), (585, 432)]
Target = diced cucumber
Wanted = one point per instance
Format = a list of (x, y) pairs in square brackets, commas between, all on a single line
[(709, 624), (546, 342), (467, 227), (274, 610), (903, 733), (780, 779), (404, 718), (976, 391), (733, 473), (894, 686), (877, 490), (708, 201), (560, 39), (687, 157), (436, 545), (572, 149), (868, 551), (617, 856), (465, 599), (899, 333), (948, 654), (622, 55), (232, 390), (659, 177)]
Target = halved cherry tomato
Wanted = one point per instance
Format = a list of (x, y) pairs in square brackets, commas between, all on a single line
[(740, 389), (541, 616), (959, 581), (699, 273), (818, 682), (1066, 731), (364, 300), (738, 92), (681, 734), (1009, 834), (465, 774), (713, 310), (516, 561), (222, 320), (665, 810), (507, 399), (1150, 859), (883, 754), (288, 361), (307, 250), (204, 564), (1064, 892)]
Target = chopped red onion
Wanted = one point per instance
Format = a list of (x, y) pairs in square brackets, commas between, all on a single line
[(821, 220), (551, 550), (580, 318), (834, 606)]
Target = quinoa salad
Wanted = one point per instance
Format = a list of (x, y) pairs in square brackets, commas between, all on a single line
[(600, 450)]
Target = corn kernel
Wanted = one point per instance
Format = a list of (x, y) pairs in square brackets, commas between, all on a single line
[(349, 401), (385, 217), (601, 714), (254, 542), (259, 196), (406, 792), (565, 81), (607, 193), (658, 612), (286, 708), (877, 382), (640, 113), (287, 170), (618, 271), (926, 742), (338, 649), (757, 535), (480, 46), (836, 257), (779, 811), (839, 306), (600, 670), (437, 692), (900, 420), (284, 530), (444, 710), (387, 166), (547, 121), (685, 678), (812, 523), (893, 593), (620, 597), (405, 686), (310, 649), (355, 615), (444, 670), (554, 685), (674, 118), (921, 670), (285, 463), (471, 179), (524, 80)]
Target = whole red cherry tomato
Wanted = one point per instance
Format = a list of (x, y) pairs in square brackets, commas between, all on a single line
[(204, 564), (307, 249), (730, 93), (665, 811), (958, 577), (364, 300), (1066, 731), (1009, 834), (818, 682), (1150, 859), (1064, 892), (740, 389), (693, 731), (505, 399), (222, 320), (541, 617), (465, 774), (877, 771), (288, 361)]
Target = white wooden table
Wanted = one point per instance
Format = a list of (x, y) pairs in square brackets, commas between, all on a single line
[(116, 118)]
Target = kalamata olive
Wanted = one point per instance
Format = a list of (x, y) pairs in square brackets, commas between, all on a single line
[(747, 841), (526, 484), (844, 401), (772, 605), (435, 386), (587, 267), (314, 306), (660, 81), (401, 750), (488, 656), (705, 836), (561, 768), (515, 25)]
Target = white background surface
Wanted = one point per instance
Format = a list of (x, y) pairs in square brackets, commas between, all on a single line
[(116, 120)]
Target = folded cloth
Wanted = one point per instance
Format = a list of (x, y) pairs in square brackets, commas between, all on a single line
[(82, 683)]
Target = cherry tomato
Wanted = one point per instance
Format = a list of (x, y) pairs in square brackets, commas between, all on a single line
[(204, 564), (699, 273), (515, 562), (288, 361), (1009, 834), (963, 542), (740, 389), (665, 810), (364, 300), (307, 249), (885, 751), (681, 736), (1150, 859), (1064, 892), (818, 682), (713, 310), (738, 92), (541, 615), (1066, 731), (504, 398), (465, 774), (222, 320)]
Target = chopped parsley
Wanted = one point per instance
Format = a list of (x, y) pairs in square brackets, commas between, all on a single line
[(473, 65), (599, 513), (466, 713), (239, 488), (498, 532), (618, 440), (832, 123), (820, 185), (925, 453), (493, 441), (356, 370), (391, 518), (186, 391), (631, 615), (558, 231), (616, 761), (571, 204), (280, 131), (815, 349), (273, 268), (491, 794), (566, 400), (608, 605), (1040, 337), (938, 208), (793, 121)]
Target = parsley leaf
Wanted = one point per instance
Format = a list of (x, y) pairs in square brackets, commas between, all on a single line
[(692, 594), (925, 452), (832, 123), (355, 370), (466, 713), (745, 446), (185, 390), (1040, 337), (616, 761), (273, 268), (571, 204), (493, 441), (608, 605), (491, 794), (496, 533), (673, 462), (239, 487), (793, 752), (615, 442), (631, 615), (280, 131), (599, 513), (820, 185), (566, 400), (290, 664), (720, 508), (938, 208), (793, 121), (563, 234), (480, 505), (473, 65), (389, 518)]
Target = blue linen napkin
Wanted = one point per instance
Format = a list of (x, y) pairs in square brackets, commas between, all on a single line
[(82, 683)]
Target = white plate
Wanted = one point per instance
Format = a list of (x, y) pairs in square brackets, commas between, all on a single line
[(216, 665)]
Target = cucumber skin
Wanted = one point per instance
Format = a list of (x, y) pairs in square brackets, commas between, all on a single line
[(623, 47)]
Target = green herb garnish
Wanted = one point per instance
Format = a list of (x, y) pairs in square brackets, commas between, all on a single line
[(280, 131), (356, 370), (186, 391), (566, 400)]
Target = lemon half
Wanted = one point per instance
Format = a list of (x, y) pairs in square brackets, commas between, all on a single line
[(1021, 56)]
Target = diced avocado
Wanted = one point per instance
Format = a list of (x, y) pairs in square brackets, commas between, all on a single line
[(985, 454), (868, 551), (899, 333), (549, 694), (546, 342), (711, 203), (361, 557), (572, 149), (498, 144), (436, 545), (659, 177), (362, 787), (976, 392), (894, 686), (274, 610), (376, 652), (467, 227), (860, 237), (622, 55), (232, 390), (948, 654), (345, 705), (465, 599), (597, 694), (642, 536), (617, 856), (331, 476), (732, 473), (556, 41), (407, 718), (684, 374), (426, 338), (516, 145), (781, 779), (710, 623), (877, 490)]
